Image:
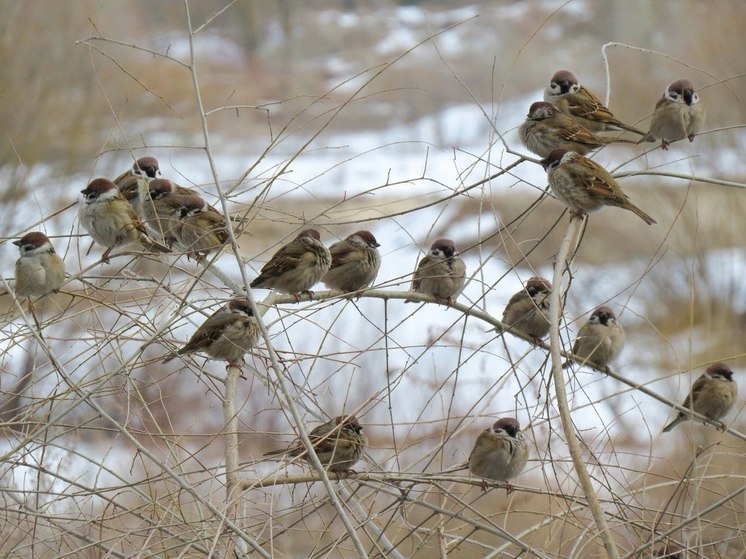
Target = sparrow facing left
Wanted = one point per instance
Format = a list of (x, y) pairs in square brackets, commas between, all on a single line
[(110, 219), (600, 340), (499, 453), (581, 105), (338, 443), (678, 114), (546, 129), (226, 335), (200, 229), (441, 273), (585, 186), (39, 270), (296, 267), (355, 262), (528, 310), (712, 395)]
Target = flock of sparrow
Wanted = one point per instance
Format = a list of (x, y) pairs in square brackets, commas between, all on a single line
[(140, 207)]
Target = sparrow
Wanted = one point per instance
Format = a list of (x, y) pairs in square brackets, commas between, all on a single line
[(110, 220), (144, 168), (161, 210), (600, 340), (297, 266), (585, 186), (499, 453), (441, 273), (200, 229), (546, 129), (39, 270), (712, 395), (678, 114), (226, 335), (581, 105), (338, 443), (355, 262), (528, 310)]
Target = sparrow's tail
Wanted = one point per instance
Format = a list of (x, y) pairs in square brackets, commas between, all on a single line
[(673, 424)]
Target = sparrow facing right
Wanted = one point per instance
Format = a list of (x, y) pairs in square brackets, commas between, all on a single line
[(600, 340), (338, 443), (500, 452), (585, 186), (144, 168), (441, 273), (39, 269), (678, 114), (296, 267), (226, 335), (528, 310), (110, 219), (200, 229), (712, 395), (546, 129), (581, 105), (355, 262)]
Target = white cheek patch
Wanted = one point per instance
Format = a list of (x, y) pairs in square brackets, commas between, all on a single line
[(108, 195)]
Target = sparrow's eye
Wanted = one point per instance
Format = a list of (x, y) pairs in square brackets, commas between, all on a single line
[(673, 95), (695, 97)]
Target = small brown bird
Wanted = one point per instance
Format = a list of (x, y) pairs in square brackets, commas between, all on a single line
[(678, 114), (528, 310), (226, 335), (144, 168), (581, 105), (338, 443), (441, 273), (546, 129), (585, 186), (39, 270), (200, 229), (297, 266), (712, 395), (110, 219), (499, 453), (355, 262), (600, 340)]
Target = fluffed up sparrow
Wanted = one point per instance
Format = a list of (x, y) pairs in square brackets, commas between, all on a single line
[(600, 340), (226, 335), (39, 269), (144, 168), (355, 262), (110, 219), (441, 273), (499, 453), (581, 105), (712, 395), (678, 114), (546, 129), (528, 310), (585, 186), (338, 443), (200, 229), (297, 266), (161, 210)]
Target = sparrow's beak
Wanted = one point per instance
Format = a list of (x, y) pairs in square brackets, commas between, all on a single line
[(17, 243)]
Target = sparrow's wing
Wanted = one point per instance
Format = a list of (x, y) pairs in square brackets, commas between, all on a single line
[(287, 258), (344, 252), (601, 184), (423, 265), (209, 331), (585, 104), (574, 132), (697, 388)]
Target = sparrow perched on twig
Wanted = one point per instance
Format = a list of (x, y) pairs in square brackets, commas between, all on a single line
[(581, 105), (678, 114), (161, 210), (355, 262), (110, 219), (441, 273), (499, 453), (226, 335), (585, 186), (200, 229), (528, 310), (39, 270), (297, 266), (338, 443), (712, 395), (546, 129), (600, 340), (144, 168)]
